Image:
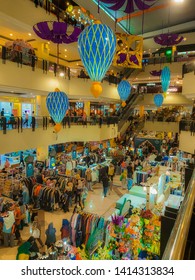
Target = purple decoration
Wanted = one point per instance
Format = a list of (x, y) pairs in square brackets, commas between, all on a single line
[(168, 39), (130, 5), (156, 73), (117, 220), (133, 58), (122, 57), (57, 33)]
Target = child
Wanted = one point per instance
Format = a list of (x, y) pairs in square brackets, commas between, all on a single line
[(84, 195), (123, 179)]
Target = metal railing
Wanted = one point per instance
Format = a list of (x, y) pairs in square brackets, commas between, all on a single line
[(176, 244), (19, 123)]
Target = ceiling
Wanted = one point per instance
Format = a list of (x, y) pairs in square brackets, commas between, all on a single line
[(16, 22)]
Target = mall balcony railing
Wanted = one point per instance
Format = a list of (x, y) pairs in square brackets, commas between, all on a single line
[(20, 59), (19, 123), (187, 125)]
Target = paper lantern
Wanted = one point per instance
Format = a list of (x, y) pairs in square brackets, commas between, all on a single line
[(56, 32), (130, 5), (57, 105), (168, 39), (165, 78), (97, 45), (124, 90), (158, 100)]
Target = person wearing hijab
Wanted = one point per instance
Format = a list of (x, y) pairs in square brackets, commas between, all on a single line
[(50, 235)]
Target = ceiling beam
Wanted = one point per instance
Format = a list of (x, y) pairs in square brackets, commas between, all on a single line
[(140, 13)]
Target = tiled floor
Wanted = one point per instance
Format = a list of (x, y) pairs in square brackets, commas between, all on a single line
[(95, 203)]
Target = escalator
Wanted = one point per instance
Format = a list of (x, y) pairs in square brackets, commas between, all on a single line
[(127, 110)]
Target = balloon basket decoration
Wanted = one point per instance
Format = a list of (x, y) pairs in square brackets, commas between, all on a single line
[(96, 89), (57, 127), (97, 45), (123, 104)]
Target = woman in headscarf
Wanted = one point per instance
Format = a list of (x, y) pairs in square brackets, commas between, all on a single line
[(50, 235)]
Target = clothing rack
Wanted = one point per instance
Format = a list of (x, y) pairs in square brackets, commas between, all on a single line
[(87, 228)]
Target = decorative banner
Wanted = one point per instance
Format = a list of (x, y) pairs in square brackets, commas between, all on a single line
[(154, 143), (165, 78), (158, 100), (127, 55), (29, 170), (74, 154), (57, 105), (131, 5), (52, 162), (168, 39), (97, 45)]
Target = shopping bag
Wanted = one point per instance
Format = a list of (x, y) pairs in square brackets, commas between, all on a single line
[(36, 233)]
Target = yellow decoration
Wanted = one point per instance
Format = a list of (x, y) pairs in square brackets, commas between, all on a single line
[(57, 127), (96, 89), (164, 94), (123, 104), (70, 8), (57, 89), (97, 22), (126, 45)]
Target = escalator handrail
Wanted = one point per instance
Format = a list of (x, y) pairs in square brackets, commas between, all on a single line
[(176, 244)]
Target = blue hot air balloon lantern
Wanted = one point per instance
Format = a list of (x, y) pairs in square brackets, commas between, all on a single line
[(97, 45), (124, 90), (158, 100), (165, 79), (57, 105)]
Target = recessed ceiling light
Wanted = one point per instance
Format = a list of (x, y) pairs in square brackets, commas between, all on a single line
[(61, 74), (178, 1), (65, 50), (65, 55), (48, 42), (29, 34), (11, 34), (184, 39)]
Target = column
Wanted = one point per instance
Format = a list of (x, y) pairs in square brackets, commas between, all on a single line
[(87, 107), (41, 107), (141, 110)]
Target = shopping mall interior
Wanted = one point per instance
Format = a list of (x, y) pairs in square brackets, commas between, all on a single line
[(97, 130)]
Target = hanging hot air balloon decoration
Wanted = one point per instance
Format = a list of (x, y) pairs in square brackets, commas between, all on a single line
[(57, 105), (158, 100), (124, 90), (97, 45), (165, 79)]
